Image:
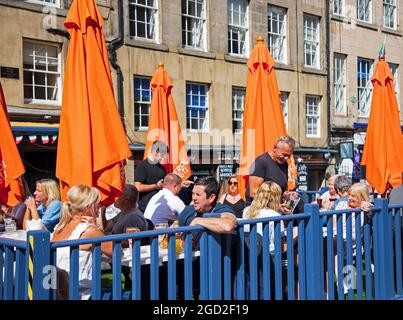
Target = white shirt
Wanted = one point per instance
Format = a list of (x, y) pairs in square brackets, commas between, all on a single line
[(111, 212), (164, 206), (264, 213)]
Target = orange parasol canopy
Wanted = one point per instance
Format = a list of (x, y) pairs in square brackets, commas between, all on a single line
[(263, 121), (92, 144), (164, 125), (11, 167), (383, 146)]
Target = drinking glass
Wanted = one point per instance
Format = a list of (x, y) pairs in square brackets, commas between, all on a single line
[(9, 225), (163, 237), (131, 230)]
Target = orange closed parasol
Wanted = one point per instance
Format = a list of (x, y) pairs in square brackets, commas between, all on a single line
[(384, 141), (11, 167), (263, 121), (92, 142), (164, 125)]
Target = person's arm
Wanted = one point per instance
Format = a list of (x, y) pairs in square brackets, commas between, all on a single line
[(27, 217), (30, 204), (224, 224), (141, 187), (254, 184), (94, 232)]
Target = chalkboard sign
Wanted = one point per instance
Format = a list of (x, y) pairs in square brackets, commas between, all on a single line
[(302, 177), (9, 72), (225, 171)]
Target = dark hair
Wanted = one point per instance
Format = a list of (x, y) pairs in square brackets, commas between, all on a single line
[(159, 146), (210, 184), (130, 191)]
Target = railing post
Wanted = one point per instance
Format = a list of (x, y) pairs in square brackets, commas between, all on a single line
[(313, 269), (214, 262), (384, 250), (39, 258)]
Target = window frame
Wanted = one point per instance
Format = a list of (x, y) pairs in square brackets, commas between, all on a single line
[(34, 71), (341, 6), (204, 127), (239, 28), (140, 103), (285, 105), (340, 83), (274, 50), (369, 14), (202, 19), (311, 116), (394, 67), (394, 12), (133, 4), (367, 88), (236, 109), (44, 3), (315, 54)]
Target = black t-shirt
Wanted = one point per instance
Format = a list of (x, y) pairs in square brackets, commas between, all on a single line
[(133, 218), (269, 170), (148, 173)]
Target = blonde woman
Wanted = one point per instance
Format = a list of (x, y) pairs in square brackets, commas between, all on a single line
[(77, 222), (265, 204), (47, 197)]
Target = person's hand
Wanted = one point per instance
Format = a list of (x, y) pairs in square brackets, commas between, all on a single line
[(160, 183), (186, 184), (291, 195), (30, 202), (284, 209), (366, 206)]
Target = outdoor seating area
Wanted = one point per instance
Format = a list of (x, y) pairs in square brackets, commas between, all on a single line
[(242, 265)]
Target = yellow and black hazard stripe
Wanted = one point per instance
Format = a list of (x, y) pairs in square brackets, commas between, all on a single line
[(31, 268)]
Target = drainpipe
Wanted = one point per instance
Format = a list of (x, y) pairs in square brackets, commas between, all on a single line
[(112, 47), (328, 98)]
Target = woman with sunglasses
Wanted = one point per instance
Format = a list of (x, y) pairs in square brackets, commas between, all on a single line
[(230, 195)]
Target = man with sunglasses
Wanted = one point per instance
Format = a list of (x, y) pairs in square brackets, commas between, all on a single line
[(271, 166)]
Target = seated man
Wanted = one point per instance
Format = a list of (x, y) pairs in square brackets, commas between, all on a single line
[(165, 206), (204, 198), (129, 215)]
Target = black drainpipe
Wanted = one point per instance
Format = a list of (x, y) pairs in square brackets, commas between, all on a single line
[(112, 47), (329, 126)]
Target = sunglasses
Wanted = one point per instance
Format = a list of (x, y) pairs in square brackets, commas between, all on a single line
[(233, 183)]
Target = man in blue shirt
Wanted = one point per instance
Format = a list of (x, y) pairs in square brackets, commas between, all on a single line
[(204, 197)]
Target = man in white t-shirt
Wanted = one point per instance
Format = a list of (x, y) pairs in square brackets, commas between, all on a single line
[(165, 206)]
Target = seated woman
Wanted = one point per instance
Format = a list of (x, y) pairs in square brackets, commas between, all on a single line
[(330, 196), (77, 222), (230, 196), (47, 196), (267, 203), (357, 197)]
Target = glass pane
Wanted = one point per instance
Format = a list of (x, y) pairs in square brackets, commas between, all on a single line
[(40, 93), (28, 92), (27, 77), (39, 78)]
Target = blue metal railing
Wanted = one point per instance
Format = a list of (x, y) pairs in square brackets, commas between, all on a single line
[(292, 257)]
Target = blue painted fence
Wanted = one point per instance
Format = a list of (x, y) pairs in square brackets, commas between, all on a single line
[(315, 255)]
